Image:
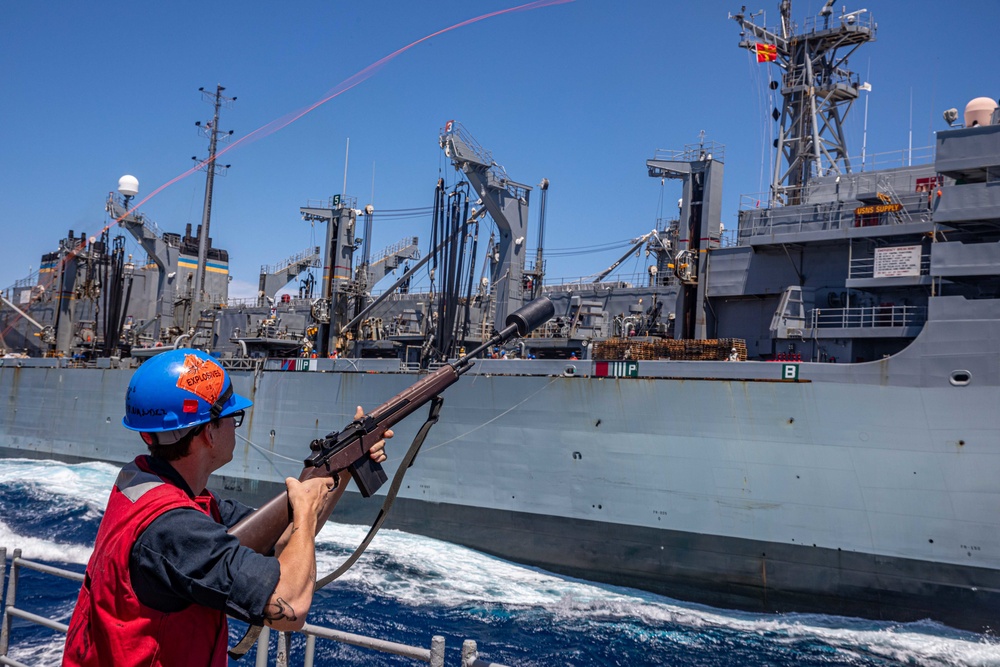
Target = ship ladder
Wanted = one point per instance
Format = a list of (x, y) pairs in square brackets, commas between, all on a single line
[(890, 197), (486, 326), (204, 330)]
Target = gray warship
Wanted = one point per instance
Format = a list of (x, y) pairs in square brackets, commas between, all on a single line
[(796, 415)]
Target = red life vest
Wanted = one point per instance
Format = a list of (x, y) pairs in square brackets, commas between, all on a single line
[(109, 625)]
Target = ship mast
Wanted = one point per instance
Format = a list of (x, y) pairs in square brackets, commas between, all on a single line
[(211, 129), (817, 90)]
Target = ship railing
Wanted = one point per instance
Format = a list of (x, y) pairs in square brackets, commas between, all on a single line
[(496, 171), (395, 248), (795, 219), (434, 655), (866, 317), (729, 238), (242, 363), (11, 611), (800, 77), (813, 24), (309, 255), (193, 295), (762, 200), (692, 152), (30, 281), (859, 164), (293, 302), (904, 157), (621, 280), (333, 203), (150, 226), (404, 296), (415, 367), (667, 225)]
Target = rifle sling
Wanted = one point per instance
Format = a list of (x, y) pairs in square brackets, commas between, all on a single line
[(253, 631)]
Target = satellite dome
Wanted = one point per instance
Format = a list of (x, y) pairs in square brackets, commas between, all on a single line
[(979, 111), (128, 185)]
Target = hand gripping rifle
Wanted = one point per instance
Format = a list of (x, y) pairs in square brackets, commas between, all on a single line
[(348, 449)]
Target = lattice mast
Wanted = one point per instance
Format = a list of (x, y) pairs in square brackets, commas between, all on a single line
[(817, 90)]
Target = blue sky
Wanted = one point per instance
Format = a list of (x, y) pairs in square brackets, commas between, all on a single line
[(580, 93)]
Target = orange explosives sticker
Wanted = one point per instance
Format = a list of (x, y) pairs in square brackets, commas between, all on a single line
[(201, 377)]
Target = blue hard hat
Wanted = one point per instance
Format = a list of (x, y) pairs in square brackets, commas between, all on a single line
[(179, 389)]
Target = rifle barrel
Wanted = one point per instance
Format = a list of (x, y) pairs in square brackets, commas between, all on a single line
[(261, 529)]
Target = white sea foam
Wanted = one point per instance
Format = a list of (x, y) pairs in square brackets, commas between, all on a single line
[(48, 653), (33, 548), (73, 486), (438, 572), (442, 574), (87, 483), (418, 571)]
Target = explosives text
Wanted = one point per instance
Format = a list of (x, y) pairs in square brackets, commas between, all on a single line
[(201, 377)]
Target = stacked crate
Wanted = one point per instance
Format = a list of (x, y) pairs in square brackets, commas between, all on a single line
[(717, 349)]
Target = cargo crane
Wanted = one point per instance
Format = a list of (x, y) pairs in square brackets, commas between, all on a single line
[(699, 167), (507, 203)]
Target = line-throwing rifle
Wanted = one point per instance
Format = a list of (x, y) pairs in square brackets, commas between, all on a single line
[(347, 449)]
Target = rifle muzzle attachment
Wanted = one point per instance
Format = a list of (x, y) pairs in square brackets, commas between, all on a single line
[(531, 316)]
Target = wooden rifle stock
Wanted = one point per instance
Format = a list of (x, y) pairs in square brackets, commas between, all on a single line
[(348, 449)]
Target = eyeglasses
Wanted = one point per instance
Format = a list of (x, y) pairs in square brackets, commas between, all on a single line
[(238, 418)]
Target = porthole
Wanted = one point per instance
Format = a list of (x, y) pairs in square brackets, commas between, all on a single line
[(960, 378)]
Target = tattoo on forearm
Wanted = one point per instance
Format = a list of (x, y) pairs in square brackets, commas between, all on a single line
[(279, 610)]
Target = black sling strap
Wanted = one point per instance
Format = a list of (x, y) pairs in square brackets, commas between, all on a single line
[(253, 631)]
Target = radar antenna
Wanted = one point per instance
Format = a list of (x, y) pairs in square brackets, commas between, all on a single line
[(817, 88)]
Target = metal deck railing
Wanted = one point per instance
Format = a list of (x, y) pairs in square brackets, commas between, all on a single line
[(433, 655), (310, 255), (888, 315), (10, 598), (830, 216)]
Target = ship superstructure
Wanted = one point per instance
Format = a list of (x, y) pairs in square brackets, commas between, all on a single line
[(800, 419)]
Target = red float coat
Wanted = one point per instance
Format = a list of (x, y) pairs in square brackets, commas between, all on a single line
[(109, 625)]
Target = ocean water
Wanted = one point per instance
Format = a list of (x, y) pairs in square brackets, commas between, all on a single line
[(408, 588)]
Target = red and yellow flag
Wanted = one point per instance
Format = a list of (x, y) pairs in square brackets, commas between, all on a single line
[(766, 52)]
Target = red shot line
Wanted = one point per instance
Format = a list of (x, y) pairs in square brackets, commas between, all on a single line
[(289, 118)]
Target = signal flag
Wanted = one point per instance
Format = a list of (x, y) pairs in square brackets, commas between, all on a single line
[(766, 52)]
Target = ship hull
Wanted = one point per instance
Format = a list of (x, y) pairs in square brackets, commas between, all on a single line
[(724, 572), (839, 492), (720, 571)]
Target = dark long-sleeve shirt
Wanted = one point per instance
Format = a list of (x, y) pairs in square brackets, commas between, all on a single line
[(184, 557)]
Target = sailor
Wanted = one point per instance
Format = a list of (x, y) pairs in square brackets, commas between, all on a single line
[(164, 572)]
